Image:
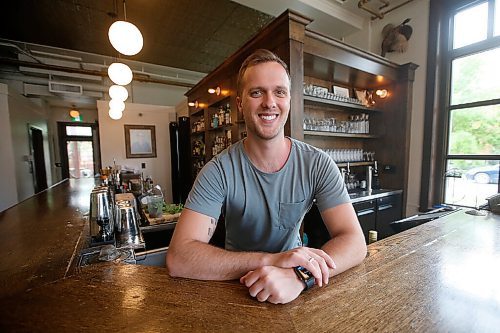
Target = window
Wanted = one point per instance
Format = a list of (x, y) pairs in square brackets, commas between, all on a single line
[(496, 31), (473, 111), (79, 130), (470, 25)]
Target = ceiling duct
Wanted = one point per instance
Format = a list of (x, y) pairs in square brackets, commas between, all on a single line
[(65, 88), (379, 13)]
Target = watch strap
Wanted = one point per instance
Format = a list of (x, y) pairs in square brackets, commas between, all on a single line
[(305, 276)]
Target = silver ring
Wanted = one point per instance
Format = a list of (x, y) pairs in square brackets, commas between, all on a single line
[(311, 259)]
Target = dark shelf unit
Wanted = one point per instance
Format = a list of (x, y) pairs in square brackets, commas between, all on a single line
[(316, 59)]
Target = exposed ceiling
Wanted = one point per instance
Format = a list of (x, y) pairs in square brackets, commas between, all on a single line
[(189, 34), (194, 35)]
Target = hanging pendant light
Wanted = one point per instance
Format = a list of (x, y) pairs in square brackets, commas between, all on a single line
[(125, 38), (116, 105), (117, 92), (115, 114), (120, 73)]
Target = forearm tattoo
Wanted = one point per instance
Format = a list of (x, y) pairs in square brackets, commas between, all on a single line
[(211, 228)]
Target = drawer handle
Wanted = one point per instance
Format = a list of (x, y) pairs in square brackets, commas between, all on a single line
[(365, 212), (384, 207)]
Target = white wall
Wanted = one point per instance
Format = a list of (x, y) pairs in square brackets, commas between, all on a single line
[(182, 108), (370, 39), (25, 112), (112, 140), (8, 194), (155, 93)]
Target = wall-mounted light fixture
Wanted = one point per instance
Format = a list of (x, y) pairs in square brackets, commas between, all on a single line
[(195, 104), (125, 37), (74, 113), (382, 93), (214, 91)]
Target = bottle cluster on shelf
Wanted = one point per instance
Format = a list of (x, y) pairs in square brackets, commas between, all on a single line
[(357, 124), (350, 155), (198, 148), (198, 165), (221, 117), (199, 125), (221, 143), (322, 92)]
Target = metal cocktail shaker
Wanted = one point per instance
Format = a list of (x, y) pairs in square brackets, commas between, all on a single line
[(129, 234), (101, 216)]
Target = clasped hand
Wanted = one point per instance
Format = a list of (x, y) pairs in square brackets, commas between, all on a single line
[(277, 283)]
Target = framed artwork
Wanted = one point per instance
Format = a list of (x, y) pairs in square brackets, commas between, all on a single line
[(140, 141)]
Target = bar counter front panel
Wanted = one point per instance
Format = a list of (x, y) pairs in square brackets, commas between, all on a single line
[(442, 276)]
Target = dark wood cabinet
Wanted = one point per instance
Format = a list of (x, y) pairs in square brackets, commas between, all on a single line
[(366, 211), (373, 214), (315, 59), (388, 210)]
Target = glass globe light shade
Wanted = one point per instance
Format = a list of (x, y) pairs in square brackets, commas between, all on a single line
[(73, 113), (115, 114), (117, 92), (120, 73), (116, 105), (125, 38)]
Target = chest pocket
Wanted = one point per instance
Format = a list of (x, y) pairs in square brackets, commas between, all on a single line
[(291, 214)]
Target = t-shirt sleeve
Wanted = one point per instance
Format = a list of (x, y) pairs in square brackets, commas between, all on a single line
[(208, 192), (330, 189)]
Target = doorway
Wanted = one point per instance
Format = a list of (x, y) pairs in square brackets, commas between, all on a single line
[(38, 163), (79, 150)]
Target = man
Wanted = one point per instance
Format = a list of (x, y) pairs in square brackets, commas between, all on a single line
[(264, 185)]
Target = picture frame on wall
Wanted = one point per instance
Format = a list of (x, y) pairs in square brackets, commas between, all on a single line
[(140, 141)]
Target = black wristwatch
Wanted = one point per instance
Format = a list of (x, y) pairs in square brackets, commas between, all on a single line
[(304, 276)]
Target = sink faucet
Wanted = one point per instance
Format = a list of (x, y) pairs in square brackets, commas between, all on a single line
[(369, 171)]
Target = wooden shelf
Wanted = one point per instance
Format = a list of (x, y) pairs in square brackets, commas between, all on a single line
[(198, 132), (342, 135), (354, 164), (221, 127), (351, 106), (196, 113), (221, 100)]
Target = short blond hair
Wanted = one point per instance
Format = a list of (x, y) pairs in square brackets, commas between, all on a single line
[(259, 56)]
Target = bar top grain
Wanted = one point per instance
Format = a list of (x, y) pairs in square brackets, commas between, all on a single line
[(442, 276)]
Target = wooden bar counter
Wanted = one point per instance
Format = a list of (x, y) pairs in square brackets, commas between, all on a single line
[(443, 276)]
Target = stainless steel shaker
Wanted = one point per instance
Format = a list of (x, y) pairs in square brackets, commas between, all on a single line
[(101, 216), (129, 234)]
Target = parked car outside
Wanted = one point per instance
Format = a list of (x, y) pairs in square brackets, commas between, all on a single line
[(484, 175)]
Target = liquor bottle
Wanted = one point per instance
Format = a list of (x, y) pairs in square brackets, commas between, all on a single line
[(228, 114), (215, 121)]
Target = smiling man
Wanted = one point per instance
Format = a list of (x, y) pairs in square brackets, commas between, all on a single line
[(263, 185)]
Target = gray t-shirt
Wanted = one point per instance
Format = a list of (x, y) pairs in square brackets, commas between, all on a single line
[(264, 211)]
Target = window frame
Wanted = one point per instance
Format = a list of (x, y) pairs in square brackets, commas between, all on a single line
[(438, 95)]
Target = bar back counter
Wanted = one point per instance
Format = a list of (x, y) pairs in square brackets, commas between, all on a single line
[(442, 276)]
